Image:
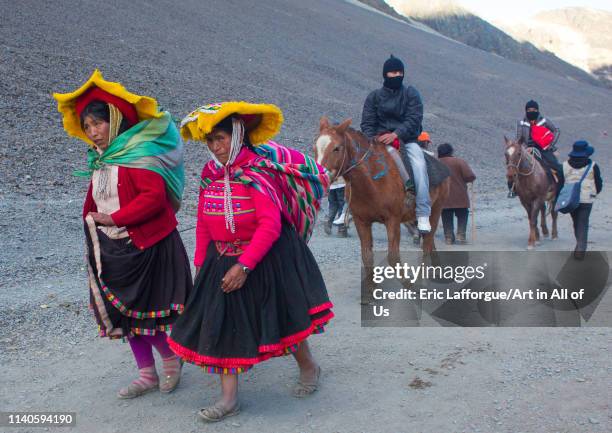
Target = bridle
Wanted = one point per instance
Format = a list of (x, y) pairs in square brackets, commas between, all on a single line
[(516, 167), (347, 170), (344, 156)]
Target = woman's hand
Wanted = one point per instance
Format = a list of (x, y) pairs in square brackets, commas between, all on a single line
[(234, 278), (102, 218)]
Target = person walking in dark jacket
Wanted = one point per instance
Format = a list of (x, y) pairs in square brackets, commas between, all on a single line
[(529, 130), (457, 203), (394, 114), (579, 161)]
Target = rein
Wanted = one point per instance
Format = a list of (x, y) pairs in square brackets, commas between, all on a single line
[(355, 164), (344, 172)]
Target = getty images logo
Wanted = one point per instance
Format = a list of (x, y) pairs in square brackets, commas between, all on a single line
[(412, 273)]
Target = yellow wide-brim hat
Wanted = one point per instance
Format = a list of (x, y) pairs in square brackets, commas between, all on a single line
[(146, 107), (262, 121)]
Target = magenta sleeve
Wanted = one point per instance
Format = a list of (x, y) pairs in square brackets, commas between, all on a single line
[(267, 232), (202, 233)]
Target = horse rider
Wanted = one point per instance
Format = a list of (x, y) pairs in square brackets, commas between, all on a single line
[(539, 132), (394, 114)]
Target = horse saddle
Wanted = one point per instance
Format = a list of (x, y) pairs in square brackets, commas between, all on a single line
[(436, 170), (551, 173)]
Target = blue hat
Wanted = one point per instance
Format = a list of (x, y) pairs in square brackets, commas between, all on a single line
[(581, 149)]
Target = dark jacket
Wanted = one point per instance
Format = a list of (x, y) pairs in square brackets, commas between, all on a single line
[(399, 111), (523, 130), (145, 208)]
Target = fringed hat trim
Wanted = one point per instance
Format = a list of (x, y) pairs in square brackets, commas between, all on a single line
[(145, 106), (262, 121)]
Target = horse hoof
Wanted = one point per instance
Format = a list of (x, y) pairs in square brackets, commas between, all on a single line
[(546, 235), (538, 243), (530, 247)]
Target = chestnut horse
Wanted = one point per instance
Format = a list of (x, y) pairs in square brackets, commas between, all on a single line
[(374, 187), (533, 187)]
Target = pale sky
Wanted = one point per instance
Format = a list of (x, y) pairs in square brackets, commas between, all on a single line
[(511, 10)]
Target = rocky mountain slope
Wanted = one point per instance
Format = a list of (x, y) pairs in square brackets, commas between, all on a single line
[(579, 36), (448, 18)]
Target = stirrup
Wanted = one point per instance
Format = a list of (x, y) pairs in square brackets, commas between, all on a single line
[(553, 174)]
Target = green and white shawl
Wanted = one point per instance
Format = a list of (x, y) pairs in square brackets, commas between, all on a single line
[(153, 144)]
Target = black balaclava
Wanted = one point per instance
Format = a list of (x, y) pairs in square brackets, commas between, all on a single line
[(532, 115), (393, 64)]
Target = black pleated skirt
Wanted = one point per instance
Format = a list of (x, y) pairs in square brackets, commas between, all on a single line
[(133, 291), (282, 302)]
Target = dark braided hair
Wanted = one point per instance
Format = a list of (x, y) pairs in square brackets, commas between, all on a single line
[(226, 126), (99, 110)]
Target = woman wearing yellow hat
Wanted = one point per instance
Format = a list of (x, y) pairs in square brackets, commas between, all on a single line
[(258, 292), (139, 273)]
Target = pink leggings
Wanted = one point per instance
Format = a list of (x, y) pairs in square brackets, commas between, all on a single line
[(142, 347)]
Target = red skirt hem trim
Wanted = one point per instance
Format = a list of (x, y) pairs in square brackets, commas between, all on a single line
[(326, 306), (270, 350)]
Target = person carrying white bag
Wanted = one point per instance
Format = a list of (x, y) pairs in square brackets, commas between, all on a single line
[(582, 185)]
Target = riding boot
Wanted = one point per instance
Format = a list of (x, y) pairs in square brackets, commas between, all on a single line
[(561, 182)]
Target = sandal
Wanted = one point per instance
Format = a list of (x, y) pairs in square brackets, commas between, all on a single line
[(134, 390), (304, 389), (216, 413), (169, 382)]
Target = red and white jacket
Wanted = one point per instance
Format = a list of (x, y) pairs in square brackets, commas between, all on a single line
[(145, 208)]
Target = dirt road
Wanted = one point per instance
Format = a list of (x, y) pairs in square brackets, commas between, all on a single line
[(374, 380)]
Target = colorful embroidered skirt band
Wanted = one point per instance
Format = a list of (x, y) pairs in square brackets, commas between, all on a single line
[(133, 291), (282, 302)]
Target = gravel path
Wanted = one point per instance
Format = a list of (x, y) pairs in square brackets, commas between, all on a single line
[(375, 380), (311, 58)]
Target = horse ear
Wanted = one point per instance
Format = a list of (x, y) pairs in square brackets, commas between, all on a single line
[(323, 123), (341, 129), (521, 140), (506, 141)]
